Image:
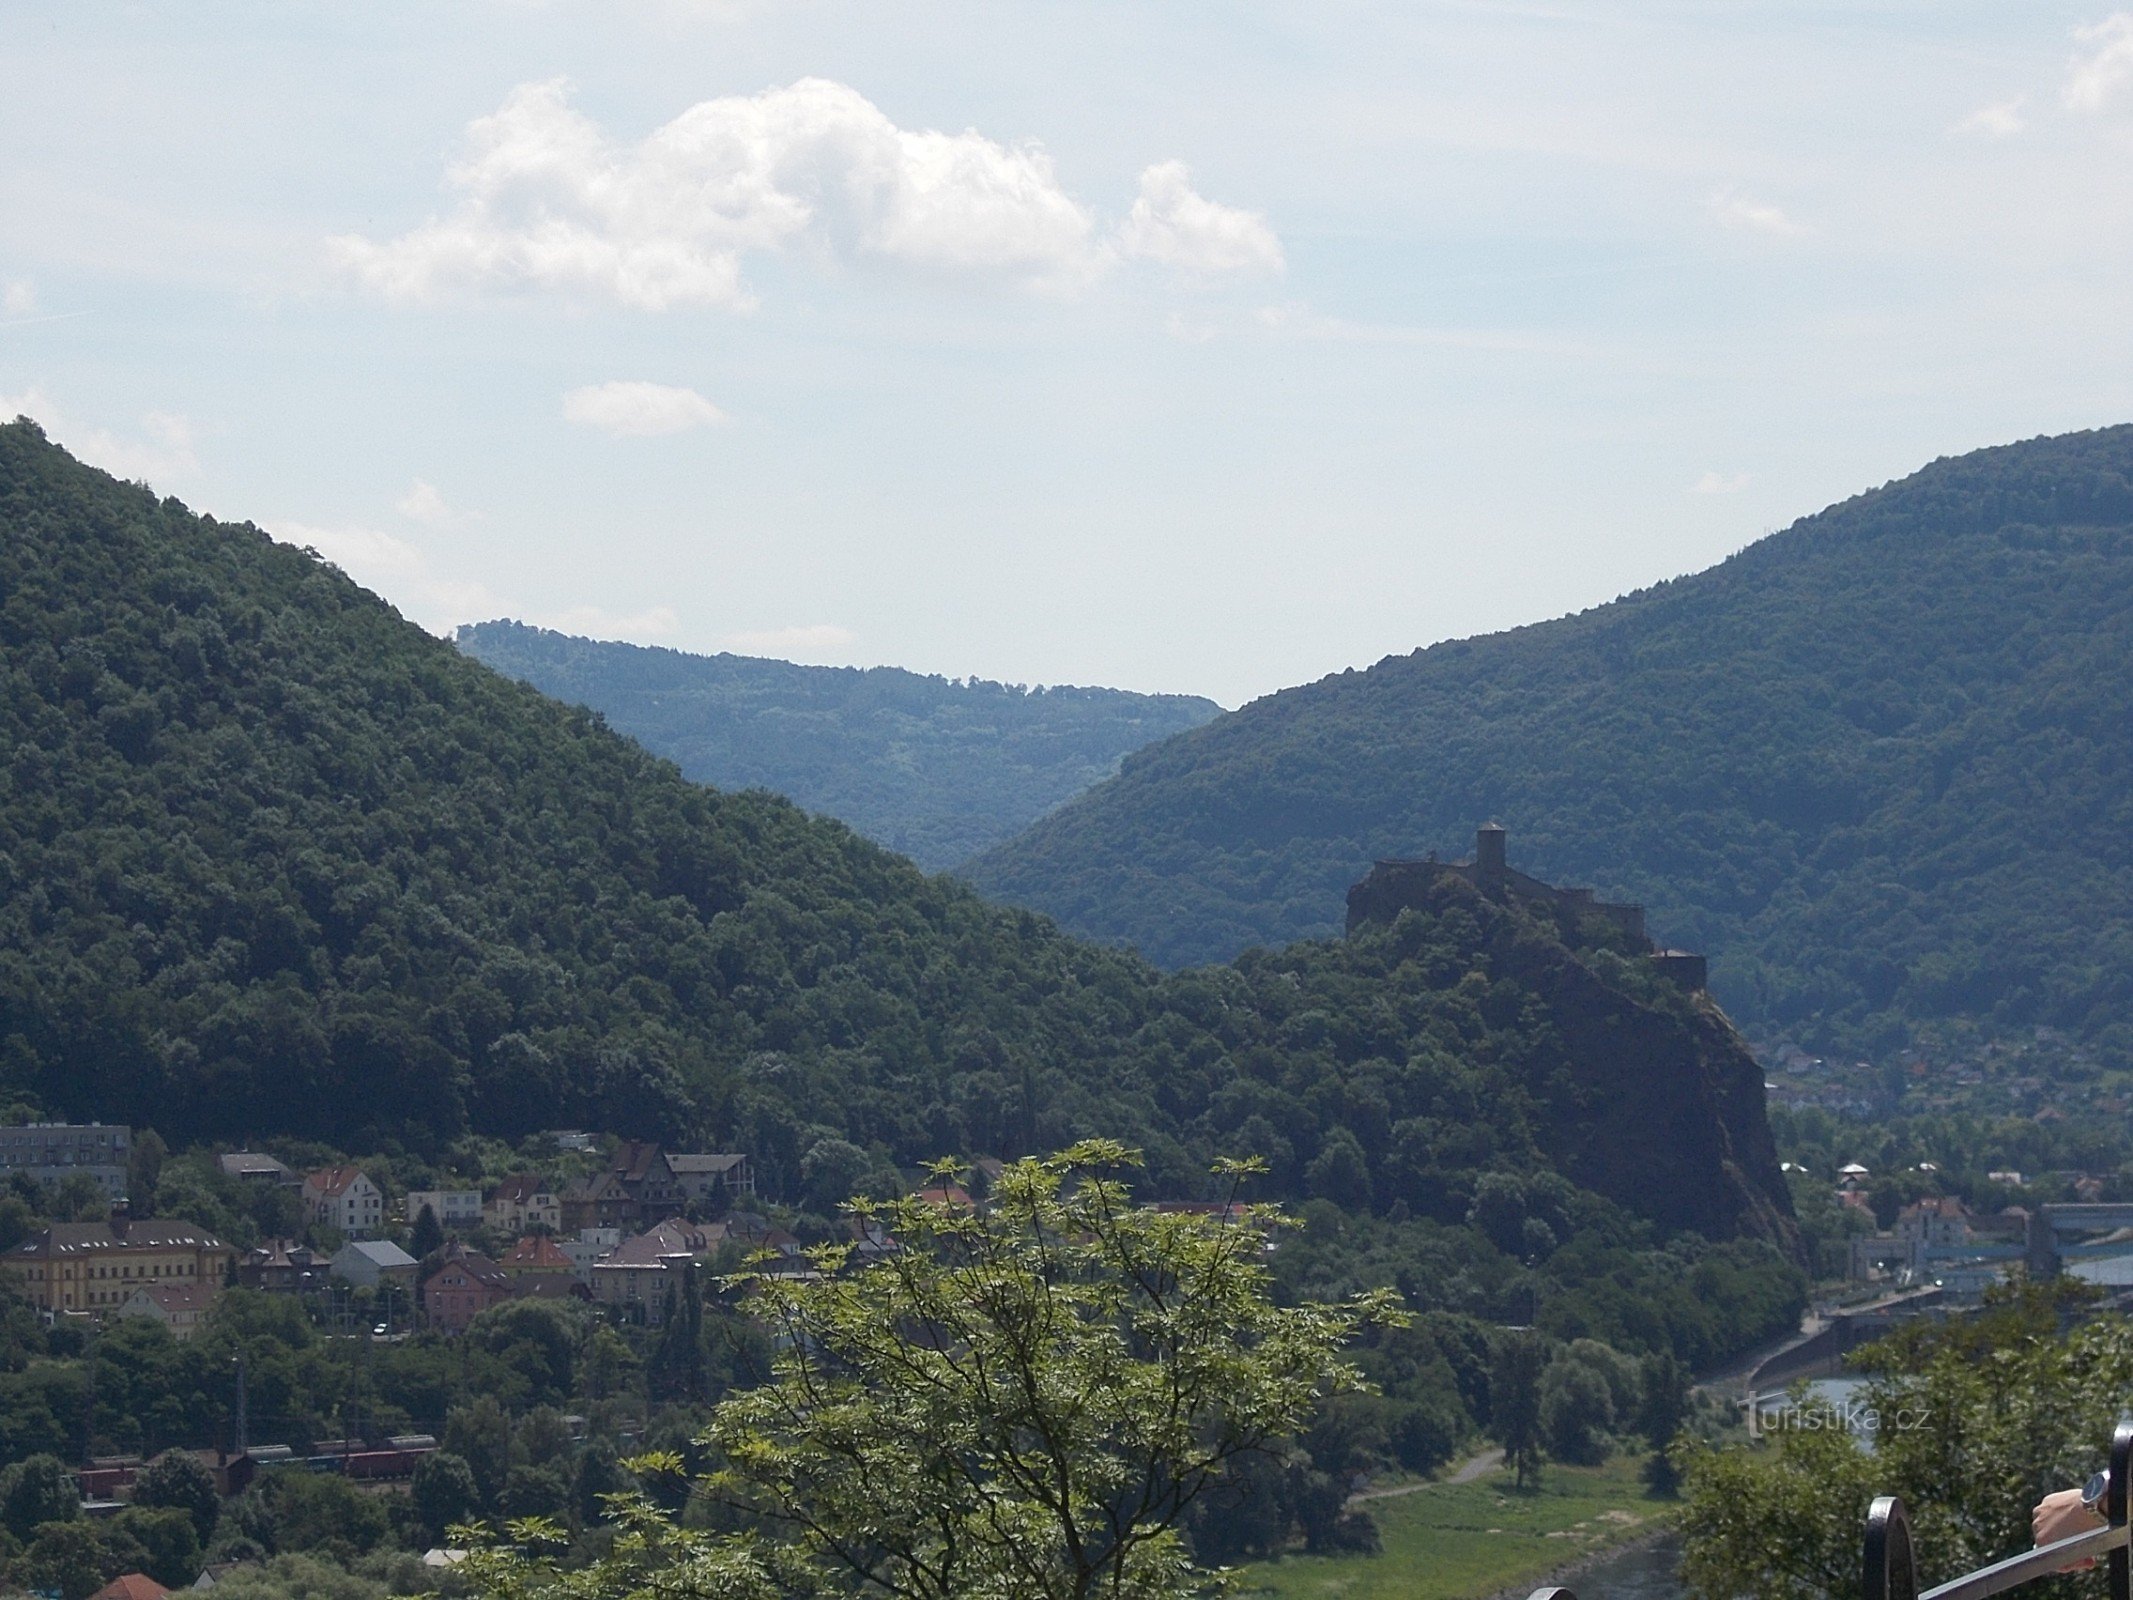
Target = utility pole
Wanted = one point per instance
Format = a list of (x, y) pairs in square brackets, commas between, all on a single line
[(244, 1429), (88, 1415)]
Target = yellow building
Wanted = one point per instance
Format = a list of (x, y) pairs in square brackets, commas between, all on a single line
[(95, 1266)]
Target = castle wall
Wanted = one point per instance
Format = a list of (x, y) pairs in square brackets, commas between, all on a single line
[(1391, 886)]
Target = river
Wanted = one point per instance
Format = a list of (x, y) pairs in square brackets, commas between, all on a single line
[(1648, 1571)]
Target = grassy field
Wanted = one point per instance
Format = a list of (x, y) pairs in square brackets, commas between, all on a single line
[(1463, 1541)]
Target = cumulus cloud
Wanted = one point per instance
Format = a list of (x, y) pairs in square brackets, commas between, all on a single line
[(597, 622), (2103, 65), (547, 200), (637, 410), (403, 572), (1174, 225), (813, 639), (1719, 483), (1754, 216), (425, 503), (400, 571), (162, 451), (19, 298), (2001, 120)]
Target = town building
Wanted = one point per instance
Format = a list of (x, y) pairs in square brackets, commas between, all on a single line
[(700, 1178), (462, 1289), (649, 1179), (341, 1197), (282, 1266), (453, 1208), (94, 1266), (588, 1247), (599, 1203), (251, 1166), (1937, 1224), (52, 1152), (366, 1263), (635, 1278), (537, 1256), (640, 1186), (180, 1307), (522, 1204)]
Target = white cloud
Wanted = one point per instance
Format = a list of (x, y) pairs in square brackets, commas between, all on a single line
[(638, 410), (425, 503), (1756, 216), (814, 639), (547, 200), (163, 450), (2104, 66), (19, 298), (1719, 483), (401, 572), (404, 574), (32, 403), (2001, 120), (597, 622), (1172, 224)]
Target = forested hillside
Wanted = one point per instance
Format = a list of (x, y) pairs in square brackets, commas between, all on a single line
[(276, 861), (937, 769), (1879, 766)]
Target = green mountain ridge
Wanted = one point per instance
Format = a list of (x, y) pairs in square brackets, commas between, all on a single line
[(275, 861), (1875, 765), (936, 769)]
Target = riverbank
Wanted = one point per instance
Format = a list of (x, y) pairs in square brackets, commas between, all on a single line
[(1590, 1574), (1478, 1539)]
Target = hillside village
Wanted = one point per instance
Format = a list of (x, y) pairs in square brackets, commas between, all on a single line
[(615, 1232)]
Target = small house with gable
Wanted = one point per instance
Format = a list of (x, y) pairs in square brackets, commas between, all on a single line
[(525, 1203), (343, 1198)]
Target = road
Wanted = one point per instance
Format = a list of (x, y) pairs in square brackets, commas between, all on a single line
[(1473, 1467)]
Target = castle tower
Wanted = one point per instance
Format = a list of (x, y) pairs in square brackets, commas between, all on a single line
[(1489, 858)]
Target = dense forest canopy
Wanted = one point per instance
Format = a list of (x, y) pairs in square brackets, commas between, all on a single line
[(1879, 766), (931, 767), (276, 861)]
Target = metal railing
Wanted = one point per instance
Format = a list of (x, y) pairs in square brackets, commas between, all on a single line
[(1891, 1571), (1891, 1566)]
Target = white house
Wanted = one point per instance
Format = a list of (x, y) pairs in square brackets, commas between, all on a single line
[(524, 1204), (592, 1245), (341, 1197)]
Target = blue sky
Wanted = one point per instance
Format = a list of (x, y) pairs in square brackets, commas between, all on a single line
[(1195, 347)]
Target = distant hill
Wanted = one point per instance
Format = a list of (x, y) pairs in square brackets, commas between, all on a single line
[(275, 861), (1879, 766), (936, 768)]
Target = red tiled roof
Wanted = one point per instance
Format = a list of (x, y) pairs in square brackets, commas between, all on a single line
[(521, 1189), (537, 1253), (175, 1297), (476, 1266), (132, 1586), (332, 1181)]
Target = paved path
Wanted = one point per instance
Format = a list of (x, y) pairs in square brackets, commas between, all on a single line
[(1473, 1467)]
